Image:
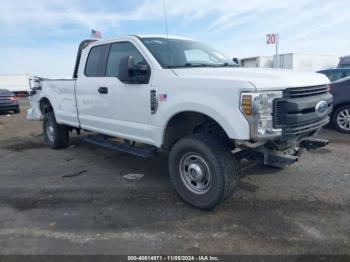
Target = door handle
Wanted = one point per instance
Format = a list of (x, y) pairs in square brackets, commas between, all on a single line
[(103, 90)]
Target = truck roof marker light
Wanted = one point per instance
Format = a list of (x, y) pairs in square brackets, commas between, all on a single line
[(246, 105)]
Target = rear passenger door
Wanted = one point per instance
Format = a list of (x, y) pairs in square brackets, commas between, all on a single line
[(109, 106)]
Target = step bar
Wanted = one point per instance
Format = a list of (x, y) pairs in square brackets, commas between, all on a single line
[(126, 147)]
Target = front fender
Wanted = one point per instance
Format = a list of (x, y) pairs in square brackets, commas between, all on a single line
[(225, 112)]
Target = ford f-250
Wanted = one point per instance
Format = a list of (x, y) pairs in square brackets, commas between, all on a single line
[(182, 96)]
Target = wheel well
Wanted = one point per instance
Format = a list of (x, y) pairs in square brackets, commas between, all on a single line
[(186, 123), (340, 105), (45, 105)]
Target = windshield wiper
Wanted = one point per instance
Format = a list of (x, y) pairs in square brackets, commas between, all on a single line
[(203, 65), (192, 65), (227, 65), (196, 65)]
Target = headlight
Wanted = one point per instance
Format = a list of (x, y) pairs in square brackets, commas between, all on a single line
[(258, 109)]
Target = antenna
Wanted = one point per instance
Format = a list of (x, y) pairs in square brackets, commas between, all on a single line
[(166, 29), (166, 20)]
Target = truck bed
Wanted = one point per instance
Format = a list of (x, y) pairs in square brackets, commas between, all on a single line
[(61, 93)]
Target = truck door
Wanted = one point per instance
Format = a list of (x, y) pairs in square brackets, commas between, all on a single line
[(105, 103)]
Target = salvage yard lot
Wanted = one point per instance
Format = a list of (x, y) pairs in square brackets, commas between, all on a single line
[(78, 201)]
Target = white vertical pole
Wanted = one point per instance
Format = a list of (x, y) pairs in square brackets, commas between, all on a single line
[(276, 44)]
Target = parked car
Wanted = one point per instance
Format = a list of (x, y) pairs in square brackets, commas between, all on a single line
[(336, 74), (182, 96), (344, 62), (340, 118), (8, 101)]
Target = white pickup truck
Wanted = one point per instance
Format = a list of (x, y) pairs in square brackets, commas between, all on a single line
[(179, 95)]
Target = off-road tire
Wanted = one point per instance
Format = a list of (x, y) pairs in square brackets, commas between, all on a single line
[(223, 167), (58, 137)]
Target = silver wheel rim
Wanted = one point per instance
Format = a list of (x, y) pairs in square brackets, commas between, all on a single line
[(195, 173), (343, 119), (50, 131)]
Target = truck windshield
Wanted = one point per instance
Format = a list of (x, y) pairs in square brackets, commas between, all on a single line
[(178, 53)]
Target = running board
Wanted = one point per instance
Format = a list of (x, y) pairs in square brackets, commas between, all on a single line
[(126, 147)]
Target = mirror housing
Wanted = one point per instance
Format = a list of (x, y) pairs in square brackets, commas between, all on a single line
[(131, 73), (236, 60)]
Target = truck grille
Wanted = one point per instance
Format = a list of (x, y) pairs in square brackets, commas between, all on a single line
[(305, 91), (295, 113)]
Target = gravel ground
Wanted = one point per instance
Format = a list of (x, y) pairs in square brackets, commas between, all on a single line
[(77, 201)]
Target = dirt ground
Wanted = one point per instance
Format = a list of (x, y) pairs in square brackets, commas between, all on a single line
[(77, 201)]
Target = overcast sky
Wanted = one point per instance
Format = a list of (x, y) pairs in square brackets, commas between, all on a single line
[(40, 37)]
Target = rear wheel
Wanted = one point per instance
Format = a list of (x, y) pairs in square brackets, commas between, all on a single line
[(341, 119), (203, 170), (56, 135), (17, 111)]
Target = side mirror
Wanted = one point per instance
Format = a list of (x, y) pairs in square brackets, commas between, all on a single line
[(131, 73), (124, 65), (236, 60)]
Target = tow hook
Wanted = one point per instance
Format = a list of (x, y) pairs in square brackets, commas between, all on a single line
[(313, 143)]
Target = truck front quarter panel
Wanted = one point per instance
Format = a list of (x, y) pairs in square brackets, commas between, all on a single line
[(216, 98)]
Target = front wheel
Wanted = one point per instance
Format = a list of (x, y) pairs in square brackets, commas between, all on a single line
[(203, 170), (56, 135), (341, 119)]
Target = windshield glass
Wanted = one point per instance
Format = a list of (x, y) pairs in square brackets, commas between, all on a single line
[(176, 53)]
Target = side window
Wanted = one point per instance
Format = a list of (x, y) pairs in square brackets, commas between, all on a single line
[(96, 62), (119, 51)]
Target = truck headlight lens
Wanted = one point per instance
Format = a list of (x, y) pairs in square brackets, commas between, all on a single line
[(258, 109)]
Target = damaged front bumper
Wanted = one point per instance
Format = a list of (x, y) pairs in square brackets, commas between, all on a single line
[(277, 153)]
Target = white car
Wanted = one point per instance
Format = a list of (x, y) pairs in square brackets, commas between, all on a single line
[(179, 95)]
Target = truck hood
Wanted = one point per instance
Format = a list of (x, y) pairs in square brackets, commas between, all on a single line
[(262, 79)]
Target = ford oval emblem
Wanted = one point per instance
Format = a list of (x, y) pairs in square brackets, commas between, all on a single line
[(321, 108)]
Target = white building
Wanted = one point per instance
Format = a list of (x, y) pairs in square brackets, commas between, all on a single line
[(295, 61), (307, 62), (15, 83), (258, 61)]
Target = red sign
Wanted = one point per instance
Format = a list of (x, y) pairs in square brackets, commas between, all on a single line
[(271, 39)]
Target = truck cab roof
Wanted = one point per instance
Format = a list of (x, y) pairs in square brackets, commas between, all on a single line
[(141, 36)]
